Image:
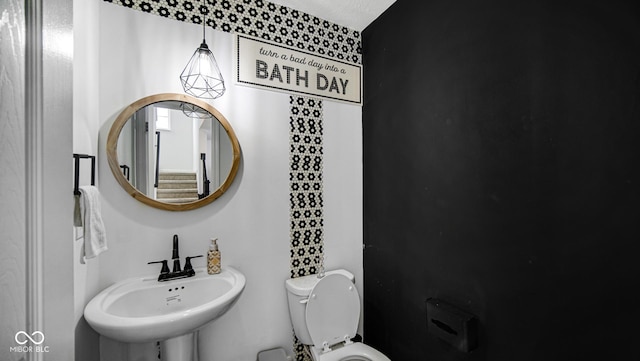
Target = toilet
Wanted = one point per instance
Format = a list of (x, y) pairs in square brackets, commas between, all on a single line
[(325, 312)]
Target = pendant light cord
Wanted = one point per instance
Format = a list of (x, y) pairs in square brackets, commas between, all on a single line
[(204, 22)]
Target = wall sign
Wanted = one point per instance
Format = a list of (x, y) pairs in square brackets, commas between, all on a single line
[(263, 64)]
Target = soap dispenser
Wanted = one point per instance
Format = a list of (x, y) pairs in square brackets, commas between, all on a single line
[(213, 258)]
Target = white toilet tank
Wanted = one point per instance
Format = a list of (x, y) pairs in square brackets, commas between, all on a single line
[(298, 290)]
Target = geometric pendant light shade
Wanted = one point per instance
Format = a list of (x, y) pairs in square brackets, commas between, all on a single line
[(201, 77), (194, 111)]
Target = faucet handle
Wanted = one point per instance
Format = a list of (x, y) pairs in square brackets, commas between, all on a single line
[(165, 266), (187, 263)]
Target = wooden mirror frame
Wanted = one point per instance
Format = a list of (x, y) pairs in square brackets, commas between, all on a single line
[(112, 155)]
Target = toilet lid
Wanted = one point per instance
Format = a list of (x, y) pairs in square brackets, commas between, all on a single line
[(333, 310)]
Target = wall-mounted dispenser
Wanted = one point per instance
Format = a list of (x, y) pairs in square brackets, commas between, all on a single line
[(452, 325)]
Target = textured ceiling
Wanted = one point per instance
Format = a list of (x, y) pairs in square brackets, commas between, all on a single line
[(354, 14)]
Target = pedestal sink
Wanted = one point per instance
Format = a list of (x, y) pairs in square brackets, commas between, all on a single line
[(142, 309)]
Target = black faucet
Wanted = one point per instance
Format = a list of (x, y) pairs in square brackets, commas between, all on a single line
[(188, 270), (175, 257)]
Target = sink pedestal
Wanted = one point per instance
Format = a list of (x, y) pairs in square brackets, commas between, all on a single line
[(181, 348)]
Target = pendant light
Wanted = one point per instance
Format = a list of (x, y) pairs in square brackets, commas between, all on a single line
[(201, 77), (194, 111)]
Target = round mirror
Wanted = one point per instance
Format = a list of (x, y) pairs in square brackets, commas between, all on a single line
[(173, 152)]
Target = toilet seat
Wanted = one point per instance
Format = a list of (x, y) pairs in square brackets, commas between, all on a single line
[(333, 311), (353, 352)]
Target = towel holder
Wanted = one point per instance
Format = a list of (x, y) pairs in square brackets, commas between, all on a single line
[(76, 179)]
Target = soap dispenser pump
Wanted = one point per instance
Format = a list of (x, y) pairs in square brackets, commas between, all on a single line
[(213, 258)]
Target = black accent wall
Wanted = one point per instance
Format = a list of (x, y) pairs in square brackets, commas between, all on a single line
[(502, 175)]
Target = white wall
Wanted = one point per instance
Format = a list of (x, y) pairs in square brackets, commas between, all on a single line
[(86, 126), (177, 149), (141, 54)]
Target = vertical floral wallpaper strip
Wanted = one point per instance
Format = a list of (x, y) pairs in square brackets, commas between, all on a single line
[(305, 180)]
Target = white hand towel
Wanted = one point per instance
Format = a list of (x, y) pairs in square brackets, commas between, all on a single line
[(95, 237)]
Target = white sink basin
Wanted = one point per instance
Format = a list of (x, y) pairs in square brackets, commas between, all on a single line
[(145, 310)]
